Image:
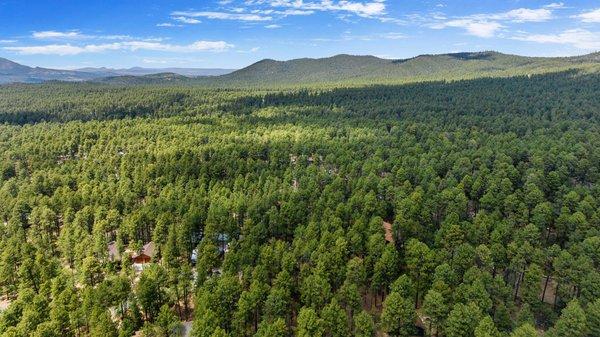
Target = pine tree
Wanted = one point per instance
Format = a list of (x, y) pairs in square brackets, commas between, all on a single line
[(593, 318), (435, 307), (572, 322), (309, 324), (335, 320), (462, 320), (486, 328), (101, 325), (398, 316), (275, 329), (363, 325), (526, 330)]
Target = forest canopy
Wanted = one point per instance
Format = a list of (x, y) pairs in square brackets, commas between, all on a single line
[(464, 208)]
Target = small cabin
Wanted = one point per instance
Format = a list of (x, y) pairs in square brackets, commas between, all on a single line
[(145, 255)]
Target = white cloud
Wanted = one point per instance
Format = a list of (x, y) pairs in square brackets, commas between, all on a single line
[(273, 26), (8, 41), (268, 10), (518, 15), (578, 38), (525, 15), (52, 34), (167, 24), (252, 50), (349, 36), (484, 29), (366, 9), (222, 16), (294, 12), (555, 5), (209, 46), (487, 25), (393, 36), (78, 35), (68, 49), (590, 17), (58, 49), (187, 20)]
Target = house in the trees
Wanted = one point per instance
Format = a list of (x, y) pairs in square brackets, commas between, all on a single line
[(145, 255)]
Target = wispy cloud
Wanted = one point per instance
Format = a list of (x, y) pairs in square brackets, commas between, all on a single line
[(52, 34), (393, 36), (222, 16), (70, 35), (69, 49), (589, 17), (487, 25), (273, 26), (184, 19), (578, 38), (269, 10), (8, 41), (167, 24), (349, 36), (366, 9), (251, 50), (479, 28), (523, 15)]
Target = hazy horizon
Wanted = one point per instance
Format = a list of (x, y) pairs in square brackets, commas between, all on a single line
[(283, 60)]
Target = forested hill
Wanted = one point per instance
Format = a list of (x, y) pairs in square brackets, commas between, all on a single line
[(62, 102), (369, 69)]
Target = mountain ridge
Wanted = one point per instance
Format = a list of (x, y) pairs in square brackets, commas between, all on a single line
[(141, 71), (13, 72), (341, 68), (368, 68)]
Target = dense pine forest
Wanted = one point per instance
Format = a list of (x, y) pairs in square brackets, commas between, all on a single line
[(455, 208)]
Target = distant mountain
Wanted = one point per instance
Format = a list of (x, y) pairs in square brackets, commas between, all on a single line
[(11, 72), (370, 69), (7, 66), (138, 71)]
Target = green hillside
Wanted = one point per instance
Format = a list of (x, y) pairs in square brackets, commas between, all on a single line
[(369, 69)]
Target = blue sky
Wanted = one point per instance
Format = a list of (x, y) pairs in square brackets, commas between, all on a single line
[(235, 33)]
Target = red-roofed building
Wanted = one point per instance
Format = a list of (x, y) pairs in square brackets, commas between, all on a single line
[(145, 255)]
